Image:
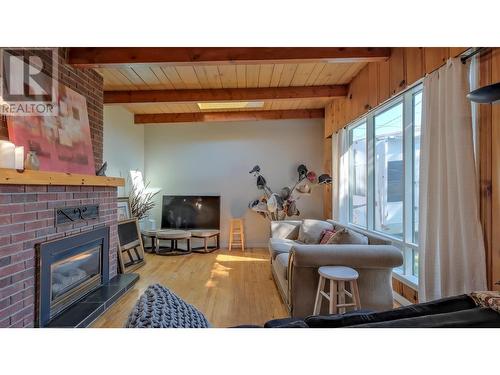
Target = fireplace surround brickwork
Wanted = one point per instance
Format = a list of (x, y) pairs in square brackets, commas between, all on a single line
[(27, 218)]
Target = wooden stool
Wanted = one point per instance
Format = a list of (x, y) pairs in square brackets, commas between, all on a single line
[(236, 234), (338, 276)]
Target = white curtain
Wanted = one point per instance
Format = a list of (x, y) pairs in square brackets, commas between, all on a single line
[(452, 256), (340, 164)]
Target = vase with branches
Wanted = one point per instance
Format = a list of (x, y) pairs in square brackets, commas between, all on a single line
[(142, 201), (280, 205)]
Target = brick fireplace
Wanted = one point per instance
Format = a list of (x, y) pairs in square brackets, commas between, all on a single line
[(27, 209), (27, 218)]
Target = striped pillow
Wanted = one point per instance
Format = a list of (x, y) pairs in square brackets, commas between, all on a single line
[(326, 235)]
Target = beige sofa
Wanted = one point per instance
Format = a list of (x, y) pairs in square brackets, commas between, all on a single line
[(295, 267)]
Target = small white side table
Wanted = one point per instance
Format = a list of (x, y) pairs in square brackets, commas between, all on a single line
[(338, 277)]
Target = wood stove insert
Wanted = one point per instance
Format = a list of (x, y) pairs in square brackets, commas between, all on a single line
[(68, 270)]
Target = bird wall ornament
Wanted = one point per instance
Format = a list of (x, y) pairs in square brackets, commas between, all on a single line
[(279, 206)]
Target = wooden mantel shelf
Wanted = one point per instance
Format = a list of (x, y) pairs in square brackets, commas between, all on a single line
[(27, 177)]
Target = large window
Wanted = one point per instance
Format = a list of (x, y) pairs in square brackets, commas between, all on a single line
[(384, 157)]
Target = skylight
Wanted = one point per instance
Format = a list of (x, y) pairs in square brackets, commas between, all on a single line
[(229, 105)]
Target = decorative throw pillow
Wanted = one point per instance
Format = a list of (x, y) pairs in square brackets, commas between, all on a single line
[(287, 231), (489, 299), (325, 236), (346, 236), (310, 230)]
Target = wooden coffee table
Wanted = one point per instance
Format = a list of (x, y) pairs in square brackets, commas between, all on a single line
[(174, 236), (151, 235), (206, 234)]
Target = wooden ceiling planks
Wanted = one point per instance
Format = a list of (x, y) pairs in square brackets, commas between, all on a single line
[(228, 76), (184, 69)]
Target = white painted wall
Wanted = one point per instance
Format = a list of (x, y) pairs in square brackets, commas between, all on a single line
[(123, 144), (215, 158)]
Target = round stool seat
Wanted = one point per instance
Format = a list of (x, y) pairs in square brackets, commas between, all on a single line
[(338, 273), (172, 234)]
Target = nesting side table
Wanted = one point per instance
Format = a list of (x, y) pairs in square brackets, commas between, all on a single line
[(206, 234)]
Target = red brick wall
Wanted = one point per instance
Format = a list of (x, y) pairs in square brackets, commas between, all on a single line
[(89, 83), (27, 218)]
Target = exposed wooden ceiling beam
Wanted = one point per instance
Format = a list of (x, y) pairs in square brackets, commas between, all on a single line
[(210, 95), (94, 57), (156, 118)]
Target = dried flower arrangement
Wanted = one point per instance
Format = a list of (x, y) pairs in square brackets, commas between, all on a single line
[(278, 206), (142, 201)]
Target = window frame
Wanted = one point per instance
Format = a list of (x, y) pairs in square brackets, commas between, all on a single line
[(407, 244)]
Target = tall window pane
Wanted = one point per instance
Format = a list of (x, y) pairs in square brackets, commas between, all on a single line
[(417, 122), (389, 171), (357, 161), (415, 263)]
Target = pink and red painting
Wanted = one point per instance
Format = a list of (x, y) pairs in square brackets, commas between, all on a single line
[(62, 143)]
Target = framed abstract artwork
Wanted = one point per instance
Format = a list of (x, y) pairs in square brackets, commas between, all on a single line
[(124, 212), (62, 143)]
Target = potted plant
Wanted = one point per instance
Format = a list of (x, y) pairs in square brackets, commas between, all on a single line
[(142, 201)]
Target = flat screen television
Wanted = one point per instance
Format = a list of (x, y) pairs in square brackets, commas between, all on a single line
[(190, 212)]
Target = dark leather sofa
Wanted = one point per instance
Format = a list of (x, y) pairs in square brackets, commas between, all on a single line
[(453, 312)]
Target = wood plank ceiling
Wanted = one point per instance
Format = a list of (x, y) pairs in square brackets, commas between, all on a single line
[(228, 76), (315, 74)]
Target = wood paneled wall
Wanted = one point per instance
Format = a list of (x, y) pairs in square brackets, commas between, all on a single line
[(404, 290), (489, 168), (379, 81)]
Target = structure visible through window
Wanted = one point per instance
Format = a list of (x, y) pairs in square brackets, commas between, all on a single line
[(357, 160), (389, 172)]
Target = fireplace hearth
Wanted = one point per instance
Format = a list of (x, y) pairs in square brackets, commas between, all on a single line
[(68, 270)]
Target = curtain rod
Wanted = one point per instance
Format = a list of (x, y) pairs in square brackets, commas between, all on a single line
[(468, 54)]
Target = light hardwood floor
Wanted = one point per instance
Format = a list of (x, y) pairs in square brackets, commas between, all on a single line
[(230, 288)]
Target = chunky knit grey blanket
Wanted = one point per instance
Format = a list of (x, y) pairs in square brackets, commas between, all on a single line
[(158, 307)]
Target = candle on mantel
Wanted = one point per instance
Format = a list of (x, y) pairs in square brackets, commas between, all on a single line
[(7, 154), (19, 157)]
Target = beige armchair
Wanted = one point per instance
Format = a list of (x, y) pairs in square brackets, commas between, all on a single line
[(295, 267)]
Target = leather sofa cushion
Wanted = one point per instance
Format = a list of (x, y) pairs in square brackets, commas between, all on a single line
[(478, 317), (441, 306), (285, 323), (310, 231), (281, 265)]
